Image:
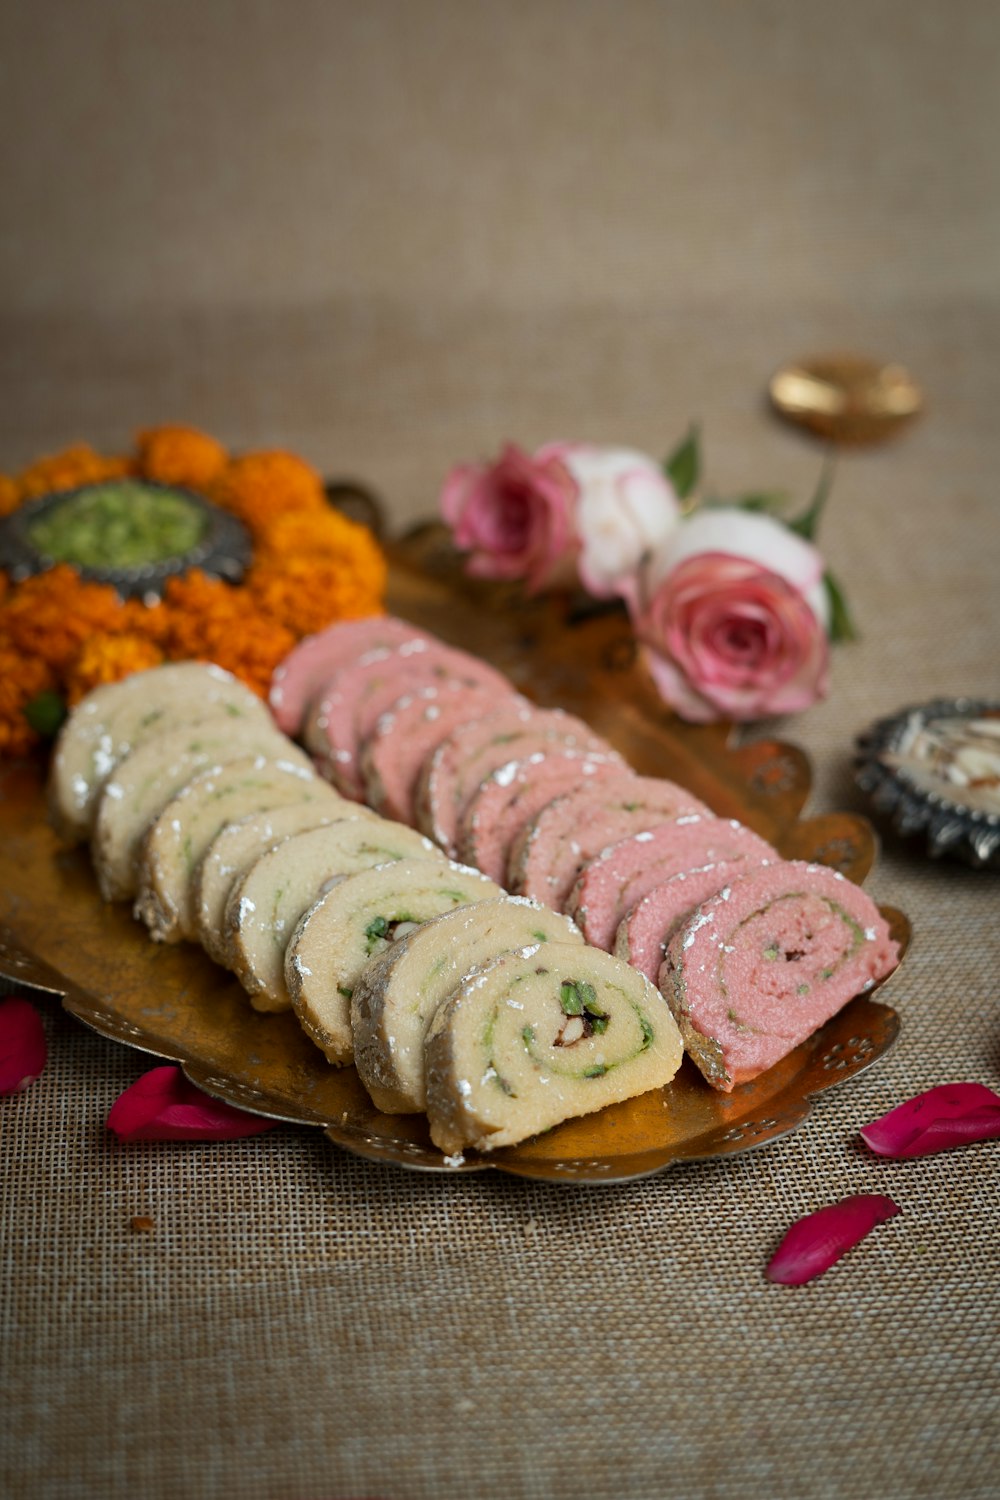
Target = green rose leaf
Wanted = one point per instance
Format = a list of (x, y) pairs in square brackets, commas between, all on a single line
[(683, 466), (807, 524), (770, 502), (842, 627)]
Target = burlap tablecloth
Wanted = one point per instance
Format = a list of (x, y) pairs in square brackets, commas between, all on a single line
[(303, 1325)]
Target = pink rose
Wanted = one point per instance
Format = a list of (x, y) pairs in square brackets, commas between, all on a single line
[(735, 624), (514, 516)]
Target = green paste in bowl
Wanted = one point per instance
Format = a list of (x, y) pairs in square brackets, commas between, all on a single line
[(121, 524)]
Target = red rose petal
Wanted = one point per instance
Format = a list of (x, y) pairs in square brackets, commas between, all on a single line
[(953, 1114), (815, 1243), (22, 1044), (163, 1105)]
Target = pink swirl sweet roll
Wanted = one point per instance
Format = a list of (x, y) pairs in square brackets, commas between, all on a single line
[(646, 928), (310, 665), (763, 964), (552, 849), (513, 795), (614, 881), (350, 704), (471, 754)]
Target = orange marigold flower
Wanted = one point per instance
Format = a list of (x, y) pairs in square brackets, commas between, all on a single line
[(251, 651), (210, 621), (51, 615), (180, 455), (21, 679), (198, 609), (314, 569), (324, 533), (10, 495), (309, 595), (261, 486), (151, 620), (65, 471), (311, 566), (108, 658)]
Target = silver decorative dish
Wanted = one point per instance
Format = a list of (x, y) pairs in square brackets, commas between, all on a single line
[(220, 544), (934, 770)]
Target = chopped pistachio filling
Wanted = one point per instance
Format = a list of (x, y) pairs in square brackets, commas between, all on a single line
[(377, 929), (586, 1021), (382, 929), (578, 998)]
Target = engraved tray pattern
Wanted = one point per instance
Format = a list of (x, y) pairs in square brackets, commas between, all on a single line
[(57, 936)]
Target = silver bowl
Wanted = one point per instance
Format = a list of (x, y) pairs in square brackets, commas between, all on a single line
[(224, 550), (934, 770)]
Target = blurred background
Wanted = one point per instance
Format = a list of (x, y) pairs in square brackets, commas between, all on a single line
[(392, 234)]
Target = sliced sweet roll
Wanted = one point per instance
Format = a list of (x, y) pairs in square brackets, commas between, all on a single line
[(617, 879), (407, 734), (175, 841), (145, 780), (265, 908), (539, 1036), (397, 994), (513, 795), (309, 666), (352, 923), (469, 755), (354, 698), (757, 968), (550, 853), (119, 716), (239, 845), (646, 928)]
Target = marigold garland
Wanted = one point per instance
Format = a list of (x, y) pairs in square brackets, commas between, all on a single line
[(108, 658), (50, 616), (21, 680), (248, 485), (64, 471), (10, 495), (180, 455), (311, 566)]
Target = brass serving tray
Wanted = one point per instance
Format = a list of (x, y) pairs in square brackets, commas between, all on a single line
[(58, 937)]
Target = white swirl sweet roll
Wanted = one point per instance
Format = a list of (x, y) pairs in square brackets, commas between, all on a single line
[(538, 1037), (239, 845), (146, 779), (353, 922), (119, 716), (398, 993), (174, 843), (265, 907)]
